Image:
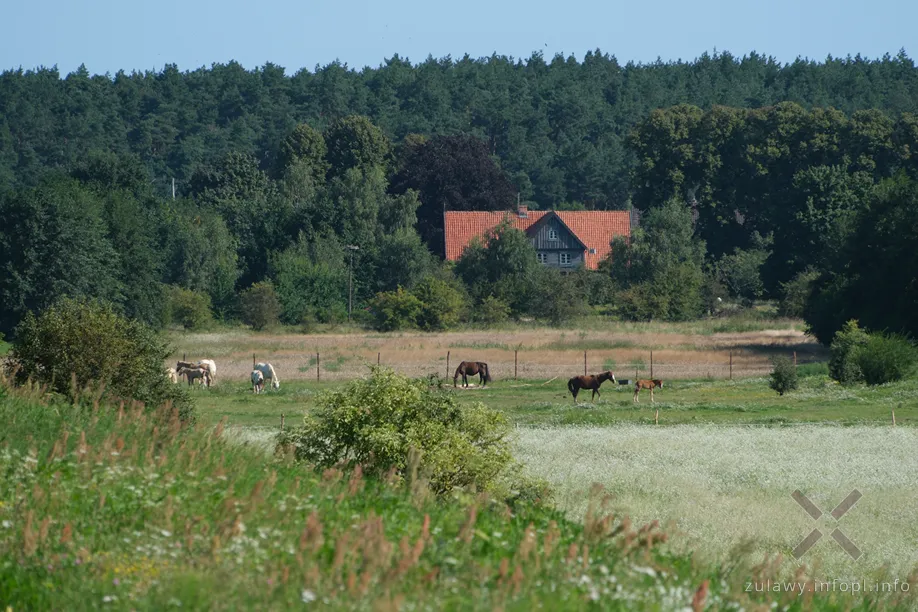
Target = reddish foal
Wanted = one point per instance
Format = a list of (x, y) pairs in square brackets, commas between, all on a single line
[(646, 384), (593, 382)]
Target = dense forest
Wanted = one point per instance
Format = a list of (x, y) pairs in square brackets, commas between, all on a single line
[(755, 179)]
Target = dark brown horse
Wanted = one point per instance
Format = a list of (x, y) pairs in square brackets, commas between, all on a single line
[(593, 382), (471, 368), (646, 384)]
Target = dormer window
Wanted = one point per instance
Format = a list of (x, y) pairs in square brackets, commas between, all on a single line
[(552, 234)]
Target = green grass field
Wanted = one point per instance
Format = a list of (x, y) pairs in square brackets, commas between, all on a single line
[(535, 402)]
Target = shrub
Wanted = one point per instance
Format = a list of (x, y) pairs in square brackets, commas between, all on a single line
[(395, 310), (189, 309), (376, 422), (491, 311), (784, 375), (259, 305), (557, 297), (441, 304), (88, 343), (843, 365), (885, 358), (796, 293)]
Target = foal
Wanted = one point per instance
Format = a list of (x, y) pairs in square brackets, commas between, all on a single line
[(593, 382), (646, 384)]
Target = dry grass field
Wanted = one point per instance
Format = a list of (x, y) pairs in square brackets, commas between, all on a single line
[(691, 350)]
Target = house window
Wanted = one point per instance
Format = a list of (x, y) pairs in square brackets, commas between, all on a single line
[(552, 234), (565, 259), (543, 258)]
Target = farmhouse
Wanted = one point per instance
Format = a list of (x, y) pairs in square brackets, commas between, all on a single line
[(562, 239)]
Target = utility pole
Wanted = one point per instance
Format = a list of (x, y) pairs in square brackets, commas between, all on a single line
[(350, 283)]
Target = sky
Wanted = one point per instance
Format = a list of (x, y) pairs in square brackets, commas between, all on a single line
[(112, 35)]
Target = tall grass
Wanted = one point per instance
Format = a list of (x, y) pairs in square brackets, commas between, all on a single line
[(121, 507)]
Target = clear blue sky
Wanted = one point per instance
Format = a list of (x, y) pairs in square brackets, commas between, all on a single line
[(108, 35)]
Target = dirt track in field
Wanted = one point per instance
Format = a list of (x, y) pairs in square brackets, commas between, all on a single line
[(541, 353)]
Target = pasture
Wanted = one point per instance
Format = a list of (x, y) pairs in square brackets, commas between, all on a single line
[(715, 459)]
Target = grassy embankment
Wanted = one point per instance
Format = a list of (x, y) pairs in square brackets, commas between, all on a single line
[(109, 507)]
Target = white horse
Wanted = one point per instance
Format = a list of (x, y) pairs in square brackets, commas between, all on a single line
[(211, 369), (268, 370), (258, 382), (173, 377)]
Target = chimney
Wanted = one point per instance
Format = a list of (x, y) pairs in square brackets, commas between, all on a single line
[(522, 210)]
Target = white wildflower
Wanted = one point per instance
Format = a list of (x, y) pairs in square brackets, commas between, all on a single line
[(307, 596)]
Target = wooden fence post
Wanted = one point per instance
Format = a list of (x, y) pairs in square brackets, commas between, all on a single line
[(318, 371), (183, 357), (515, 351), (584, 363), (656, 417), (894, 417), (731, 365), (282, 421), (253, 361), (651, 365), (795, 359), (377, 359), (447, 364)]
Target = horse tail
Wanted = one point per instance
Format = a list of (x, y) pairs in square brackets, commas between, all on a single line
[(570, 386), (487, 372)]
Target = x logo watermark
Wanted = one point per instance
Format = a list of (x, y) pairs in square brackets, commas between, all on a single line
[(815, 535)]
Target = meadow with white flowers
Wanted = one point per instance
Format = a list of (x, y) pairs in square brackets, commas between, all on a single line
[(116, 507)]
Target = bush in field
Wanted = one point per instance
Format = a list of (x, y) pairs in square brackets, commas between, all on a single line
[(376, 422), (784, 375), (395, 310), (88, 341), (189, 309), (843, 365), (491, 311), (796, 293), (558, 297), (441, 304), (259, 305), (885, 358)]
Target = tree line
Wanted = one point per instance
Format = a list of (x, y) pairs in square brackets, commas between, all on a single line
[(782, 201)]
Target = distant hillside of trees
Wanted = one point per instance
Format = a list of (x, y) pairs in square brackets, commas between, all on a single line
[(755, 179), (558, 126)]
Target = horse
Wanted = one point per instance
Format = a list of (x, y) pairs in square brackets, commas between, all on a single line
[(471, 368), (173, 377), (646, 384), (268, 371), (181, 365), (593, 382), (193, 373), (211, 369), (258, 381)]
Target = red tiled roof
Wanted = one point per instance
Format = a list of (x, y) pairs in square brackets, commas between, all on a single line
[(594, 228)]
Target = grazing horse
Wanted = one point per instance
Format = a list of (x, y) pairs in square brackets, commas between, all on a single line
[(471, 368), (268, 371), (646, 384), (194, 373), (258, 382), (211, 369), (593, 382)]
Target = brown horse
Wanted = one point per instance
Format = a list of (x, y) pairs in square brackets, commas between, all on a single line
[(646, 384), (471, 368), (593, 382)]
